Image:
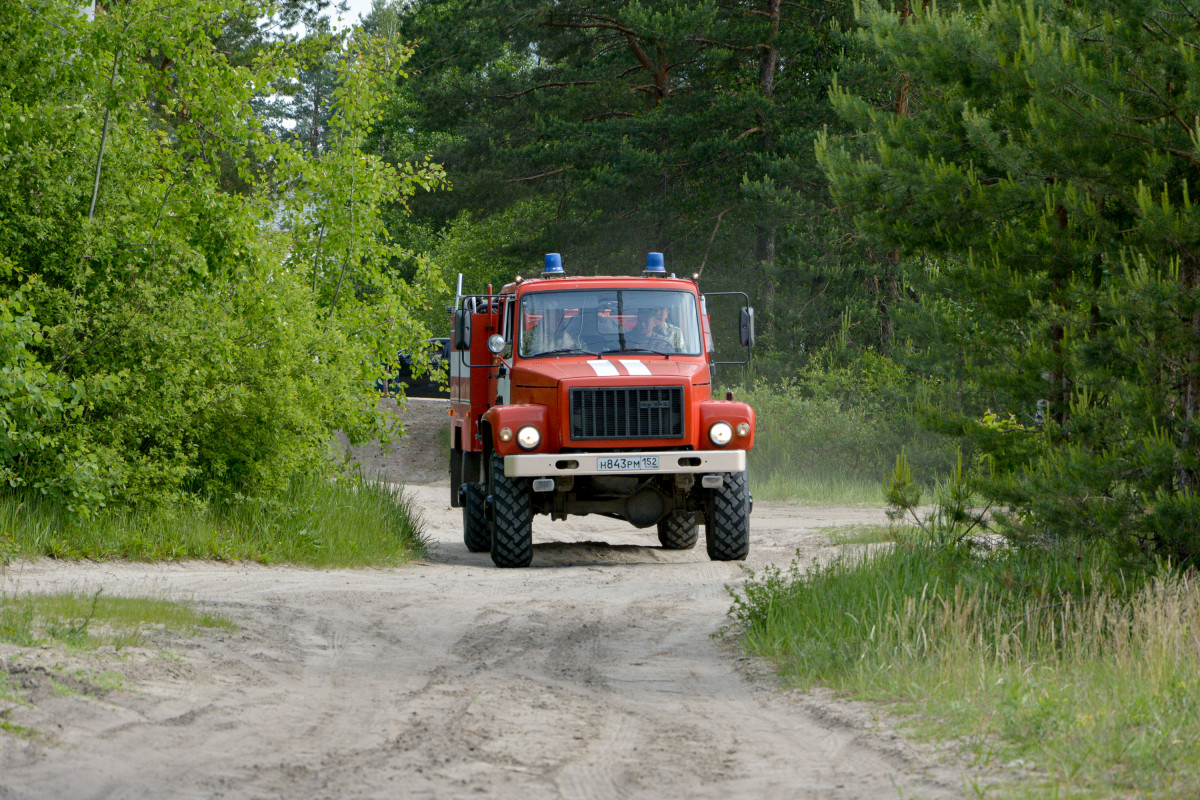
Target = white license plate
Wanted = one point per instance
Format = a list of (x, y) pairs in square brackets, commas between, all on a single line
[(625, 464)]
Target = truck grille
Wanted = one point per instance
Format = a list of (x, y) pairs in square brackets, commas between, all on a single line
[(634, 412)]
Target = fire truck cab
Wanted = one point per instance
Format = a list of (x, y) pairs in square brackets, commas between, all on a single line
[(593, 395)]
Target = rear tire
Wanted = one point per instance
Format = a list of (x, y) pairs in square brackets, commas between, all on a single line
[(476, 535), (512, 517), (727, 524), (678, 531)]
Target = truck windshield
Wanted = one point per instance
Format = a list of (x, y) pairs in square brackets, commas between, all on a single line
[(597, 321)]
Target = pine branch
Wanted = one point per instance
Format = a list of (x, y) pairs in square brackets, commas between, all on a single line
[(603, 23), (726, 45), (1172, 111), (608, 115), (1189, 157), (555, 85), (711, 237), (744, 134), (538, 177), (660, 87)]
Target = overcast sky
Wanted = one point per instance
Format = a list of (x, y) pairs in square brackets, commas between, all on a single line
[(358, 8)]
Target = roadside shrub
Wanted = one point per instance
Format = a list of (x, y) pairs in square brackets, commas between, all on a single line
[(169, 334), (847, 420)]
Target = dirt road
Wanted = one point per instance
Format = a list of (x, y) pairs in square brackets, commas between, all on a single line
[(592, 675)]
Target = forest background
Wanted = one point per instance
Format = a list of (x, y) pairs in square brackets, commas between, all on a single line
[(968, 233)]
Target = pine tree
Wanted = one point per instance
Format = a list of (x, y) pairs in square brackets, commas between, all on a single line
[(685, 127), (1045, 161)]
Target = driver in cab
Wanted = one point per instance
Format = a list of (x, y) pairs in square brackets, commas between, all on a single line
[(654, 332), (550, 334)]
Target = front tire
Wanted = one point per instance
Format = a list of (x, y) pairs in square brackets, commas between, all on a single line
[(678, 531), (727, 523), (512, 517), (476, 535)]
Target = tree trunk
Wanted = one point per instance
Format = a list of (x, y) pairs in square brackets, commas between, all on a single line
[(313, 137), (1060, 279), (768, 63), (1187, 479), (887, 294), (765, 254)]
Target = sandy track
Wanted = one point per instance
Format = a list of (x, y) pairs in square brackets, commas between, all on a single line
[(592, 675)]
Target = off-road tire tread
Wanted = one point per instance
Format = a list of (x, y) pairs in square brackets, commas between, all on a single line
[(678, 531), (512, 518), (727, 525), (476, 534)]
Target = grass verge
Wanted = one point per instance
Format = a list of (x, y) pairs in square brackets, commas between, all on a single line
[(815, 488), (859, 534), (90, 621), (316, 522), (1054, 659)]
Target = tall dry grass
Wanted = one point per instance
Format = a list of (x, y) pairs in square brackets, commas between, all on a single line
[(1092, 680)]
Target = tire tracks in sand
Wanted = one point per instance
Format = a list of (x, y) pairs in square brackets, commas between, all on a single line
[(593, 675)]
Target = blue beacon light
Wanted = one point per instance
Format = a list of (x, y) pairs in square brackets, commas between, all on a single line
[(553, 268), (654, 266)]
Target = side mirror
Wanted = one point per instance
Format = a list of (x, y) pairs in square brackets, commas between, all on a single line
[(462, 329), (746, 327)]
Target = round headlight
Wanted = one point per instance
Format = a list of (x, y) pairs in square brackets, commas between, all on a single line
[(496, 343), (529, 437), (720, 433), (506, 434), (743, 429)]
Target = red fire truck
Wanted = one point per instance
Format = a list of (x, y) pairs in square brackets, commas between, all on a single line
[(593, 395)]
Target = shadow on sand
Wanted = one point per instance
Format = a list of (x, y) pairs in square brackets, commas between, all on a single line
[(576, 554)]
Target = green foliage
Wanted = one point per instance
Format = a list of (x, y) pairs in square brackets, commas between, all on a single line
[(89, 621), (610, 128), (192, 306), (1040, 175), (35, 399), (1049, 656), (313, 521), (846, 419), (901, 493), (859, 534), (952, 520), (485, 250)]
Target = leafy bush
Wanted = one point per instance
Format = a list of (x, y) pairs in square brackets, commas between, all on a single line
[(848, 420), (34, 402), (191, 307)]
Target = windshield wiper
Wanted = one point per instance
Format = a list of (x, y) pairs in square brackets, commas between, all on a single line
[(635, 350), (564, 351)]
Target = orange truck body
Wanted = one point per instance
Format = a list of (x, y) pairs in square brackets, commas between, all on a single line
[(629, 432)]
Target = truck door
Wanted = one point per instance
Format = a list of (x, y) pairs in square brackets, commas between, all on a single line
[(503, 378)]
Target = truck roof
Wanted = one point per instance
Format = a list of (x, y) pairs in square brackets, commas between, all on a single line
[(598, 282)]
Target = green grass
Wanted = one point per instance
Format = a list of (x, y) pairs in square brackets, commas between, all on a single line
[(316, 522), (90, 621), (78, 622), (1092, 680), (859, 534), (16, 730), (7, 693), (816, 488)]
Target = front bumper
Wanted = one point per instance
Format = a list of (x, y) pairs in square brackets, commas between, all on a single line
[(670, 462)]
